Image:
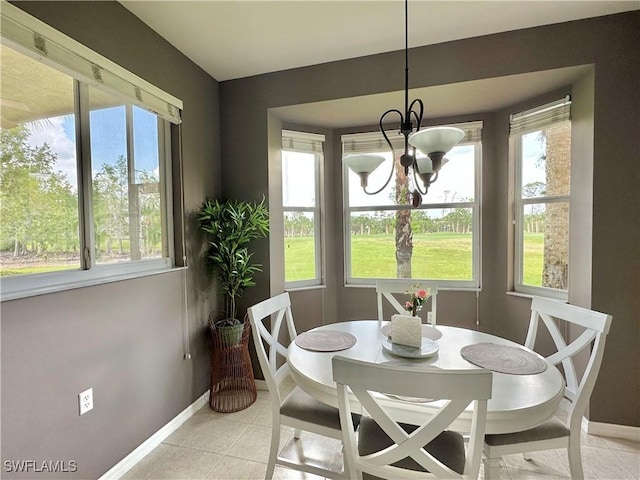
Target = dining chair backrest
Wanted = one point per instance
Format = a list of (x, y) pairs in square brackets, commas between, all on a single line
[(455, 389), (389, 289), (271, 353), (595, 327)]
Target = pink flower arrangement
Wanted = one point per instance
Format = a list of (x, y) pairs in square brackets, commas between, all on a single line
[(417, 297)]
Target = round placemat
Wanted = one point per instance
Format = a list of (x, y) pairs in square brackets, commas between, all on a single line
[(503, 358), (325, 340)]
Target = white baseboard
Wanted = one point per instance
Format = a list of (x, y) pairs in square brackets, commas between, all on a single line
[(124, 465), (611, 430)]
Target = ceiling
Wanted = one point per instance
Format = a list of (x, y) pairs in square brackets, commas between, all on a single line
[(236, 39), (440, 101)]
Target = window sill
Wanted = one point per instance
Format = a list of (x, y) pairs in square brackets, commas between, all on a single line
[(521, 295), (560, 297), (302, 289), (440, 289), (74, 284)]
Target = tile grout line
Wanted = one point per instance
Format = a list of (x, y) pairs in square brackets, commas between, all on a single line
[(508, 473)]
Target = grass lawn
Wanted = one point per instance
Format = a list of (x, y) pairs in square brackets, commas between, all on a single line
[(435, 255), (299, 259), (533, 258), (6, 272)]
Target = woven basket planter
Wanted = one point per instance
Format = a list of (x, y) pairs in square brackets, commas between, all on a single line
[(233, 386)]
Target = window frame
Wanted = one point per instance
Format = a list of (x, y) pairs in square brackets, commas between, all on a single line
[(319, 278), (475, 283), (88, 272), (520, 203)]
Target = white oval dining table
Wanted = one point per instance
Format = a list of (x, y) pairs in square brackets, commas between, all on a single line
[(518, 402)]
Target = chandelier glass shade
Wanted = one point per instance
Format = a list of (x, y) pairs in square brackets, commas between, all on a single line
[(363, 165), (434, 143)]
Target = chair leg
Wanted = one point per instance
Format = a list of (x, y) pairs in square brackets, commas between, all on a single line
[(346, 465), (296, 433), (575, 458), (273, 450), (526, 455), (491, 468)]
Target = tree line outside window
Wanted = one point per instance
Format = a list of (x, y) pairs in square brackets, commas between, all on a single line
[(386, 238), (84, 172)]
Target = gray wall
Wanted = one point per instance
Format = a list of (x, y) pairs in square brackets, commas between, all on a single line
[(124, 339), (612, 45)]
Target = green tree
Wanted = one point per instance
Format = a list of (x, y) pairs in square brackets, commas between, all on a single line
[(148, 194), (38, 206), (361, 224), (533, 189), (459, 220), (421, 223), (111, 206), (298, 224), (534, 220)]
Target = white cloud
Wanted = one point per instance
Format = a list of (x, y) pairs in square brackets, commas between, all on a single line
[(52, 133)]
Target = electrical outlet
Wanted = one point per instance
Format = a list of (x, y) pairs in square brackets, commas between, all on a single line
[(85, 400)]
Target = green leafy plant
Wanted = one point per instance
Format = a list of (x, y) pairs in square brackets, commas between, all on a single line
[(230, 226)]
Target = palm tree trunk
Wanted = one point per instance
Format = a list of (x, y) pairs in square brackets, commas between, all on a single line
[(556, 232), (404, 234)]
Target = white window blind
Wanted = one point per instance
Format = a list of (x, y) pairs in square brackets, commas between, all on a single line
[(541, 117), (375, 142), (40, 41), (302, 142)]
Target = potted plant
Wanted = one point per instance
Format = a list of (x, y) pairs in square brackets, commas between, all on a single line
[(230, 226)]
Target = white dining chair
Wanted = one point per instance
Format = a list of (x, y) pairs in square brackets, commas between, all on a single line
[(385, 448), (557, 433), (389, 290), (298, 410)]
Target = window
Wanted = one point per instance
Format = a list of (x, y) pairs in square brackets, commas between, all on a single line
[(386, 238), (541, 142), (125, 163), (85, 164), (301, 168)]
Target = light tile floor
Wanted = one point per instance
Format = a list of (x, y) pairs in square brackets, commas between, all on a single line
[(212, 445)]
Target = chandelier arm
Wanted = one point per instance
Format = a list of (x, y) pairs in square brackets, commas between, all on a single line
[(393, 151), (415, 180), (385, 183), (381, 125), (417, 116), (403, 120)]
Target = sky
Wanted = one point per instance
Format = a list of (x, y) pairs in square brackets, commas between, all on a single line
[(531, 151), (108, 140), (455, 181), (55, 133), (299, 178)]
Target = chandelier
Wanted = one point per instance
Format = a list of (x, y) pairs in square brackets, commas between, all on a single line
[(433, 143)]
